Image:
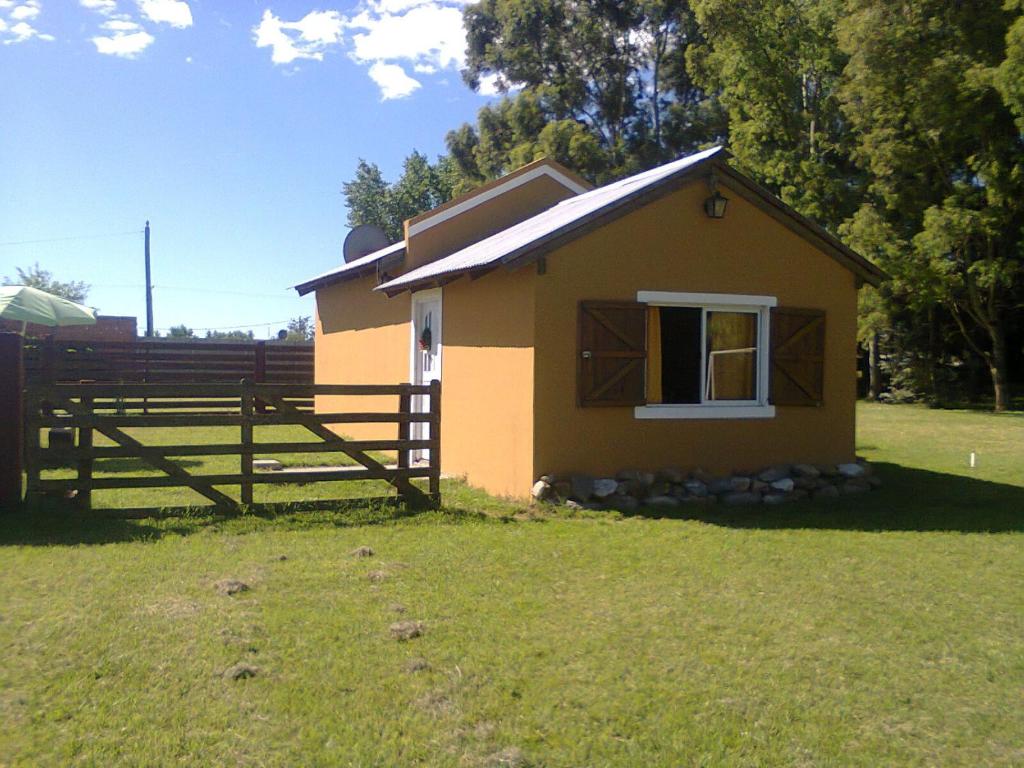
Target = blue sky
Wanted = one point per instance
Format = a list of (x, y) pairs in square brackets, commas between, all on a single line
[(229, 124)]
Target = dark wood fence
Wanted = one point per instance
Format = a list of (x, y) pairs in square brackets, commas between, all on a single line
[(110, 409), (164, 361)]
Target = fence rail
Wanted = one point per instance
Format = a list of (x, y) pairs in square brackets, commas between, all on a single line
[(155, 361), (86, 408)]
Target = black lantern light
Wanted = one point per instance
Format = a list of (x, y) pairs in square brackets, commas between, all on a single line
[(715, 205)]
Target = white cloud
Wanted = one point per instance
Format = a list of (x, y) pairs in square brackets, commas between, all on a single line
[(426, 34), (29, 10), (120, 25), (174, 12), (306, 38), (488, 85), (127, 36), (393, 81), (390, 37), (106, 7), (127, 45), (14, 22)]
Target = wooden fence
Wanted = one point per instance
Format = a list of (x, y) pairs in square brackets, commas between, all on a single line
[(164, 361), (110, 409)]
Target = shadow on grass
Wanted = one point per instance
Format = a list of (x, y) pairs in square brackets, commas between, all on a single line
[(52, 523), (909, 500)]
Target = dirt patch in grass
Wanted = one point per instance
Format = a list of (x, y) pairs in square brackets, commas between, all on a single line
[(362, 552), (241, 672), (406, 630), (230, 586), (509, 757), (174, 607), (417, 665), (436, 703)]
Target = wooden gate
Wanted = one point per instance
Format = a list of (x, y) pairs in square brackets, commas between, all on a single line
[(110, 409)]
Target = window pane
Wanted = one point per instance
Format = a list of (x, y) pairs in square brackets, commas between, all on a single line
[(731, 356), (680, 354)]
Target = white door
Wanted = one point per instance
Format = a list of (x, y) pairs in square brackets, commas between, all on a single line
[(426, 357)]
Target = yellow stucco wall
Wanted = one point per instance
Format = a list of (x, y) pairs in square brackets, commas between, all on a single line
[(671, 245), (487, 411), (509, 408), (485, 219), (362, 337)]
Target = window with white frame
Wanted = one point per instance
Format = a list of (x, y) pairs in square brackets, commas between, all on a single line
[(707, 355)]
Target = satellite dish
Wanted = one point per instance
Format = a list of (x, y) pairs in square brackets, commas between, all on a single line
[(364, 239)]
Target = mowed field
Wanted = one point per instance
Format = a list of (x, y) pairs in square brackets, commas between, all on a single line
[(883, 629)]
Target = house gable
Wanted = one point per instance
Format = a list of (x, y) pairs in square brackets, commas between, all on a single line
[(532, 239), (488, 209)]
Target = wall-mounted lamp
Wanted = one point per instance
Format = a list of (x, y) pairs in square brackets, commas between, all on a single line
[(715, 205)]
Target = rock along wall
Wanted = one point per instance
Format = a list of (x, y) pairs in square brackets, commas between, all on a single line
[(672, 487)]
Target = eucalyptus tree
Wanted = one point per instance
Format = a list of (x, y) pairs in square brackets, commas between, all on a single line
[(930, 92)]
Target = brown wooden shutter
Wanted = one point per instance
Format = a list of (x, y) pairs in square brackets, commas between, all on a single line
[(797, 356), (612, 353)]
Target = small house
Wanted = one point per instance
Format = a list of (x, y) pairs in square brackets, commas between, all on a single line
[(684, 317)]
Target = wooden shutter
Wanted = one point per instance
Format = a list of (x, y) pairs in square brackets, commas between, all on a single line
[(612, 353), (797, 356)]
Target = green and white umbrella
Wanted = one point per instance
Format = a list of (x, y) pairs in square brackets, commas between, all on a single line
[(30, 305)]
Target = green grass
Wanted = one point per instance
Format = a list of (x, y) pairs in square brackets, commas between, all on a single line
[(885, 629)]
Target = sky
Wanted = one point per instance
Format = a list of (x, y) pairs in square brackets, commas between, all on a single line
[(229, 124)]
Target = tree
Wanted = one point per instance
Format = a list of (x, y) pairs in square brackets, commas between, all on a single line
[(421, 187), (181, 332), (611, 76), (928, 93), (36, 277), (230, 335), (300, 329), (777, 65)]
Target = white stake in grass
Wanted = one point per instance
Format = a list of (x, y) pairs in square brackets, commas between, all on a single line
[(974, 459)]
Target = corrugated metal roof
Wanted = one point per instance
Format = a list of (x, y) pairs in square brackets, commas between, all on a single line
[(493, 249), (349, 267)]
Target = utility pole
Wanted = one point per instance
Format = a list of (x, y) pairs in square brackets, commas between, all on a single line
[(149, 290)]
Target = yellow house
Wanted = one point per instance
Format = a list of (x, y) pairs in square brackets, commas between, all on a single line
[(680, 317)]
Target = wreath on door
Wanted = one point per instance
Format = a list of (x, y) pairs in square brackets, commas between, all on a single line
[(426, 340)]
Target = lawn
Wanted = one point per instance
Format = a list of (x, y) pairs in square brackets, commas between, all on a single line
[(885, 629)]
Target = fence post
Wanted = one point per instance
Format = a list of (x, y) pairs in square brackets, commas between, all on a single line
[(435, 439), (84, 497), (48, 353), (404, 427), (12, 384), (260, 372), (246, 455), (33, 450)]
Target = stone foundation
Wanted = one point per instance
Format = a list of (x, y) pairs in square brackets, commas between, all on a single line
[(672, 487)]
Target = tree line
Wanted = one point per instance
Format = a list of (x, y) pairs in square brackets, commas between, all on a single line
[(896, 124)]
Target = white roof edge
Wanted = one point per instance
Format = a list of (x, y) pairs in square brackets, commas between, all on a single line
[(499, 189), (491, 249), (362, 261)]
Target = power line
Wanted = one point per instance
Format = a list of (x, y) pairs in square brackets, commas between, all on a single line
[(72, 237), (229, 327), (280, 295)]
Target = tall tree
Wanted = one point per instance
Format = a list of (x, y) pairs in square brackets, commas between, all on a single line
[(37, 277), (422, 186), (776, 65), (927, 93), (611, 75)]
